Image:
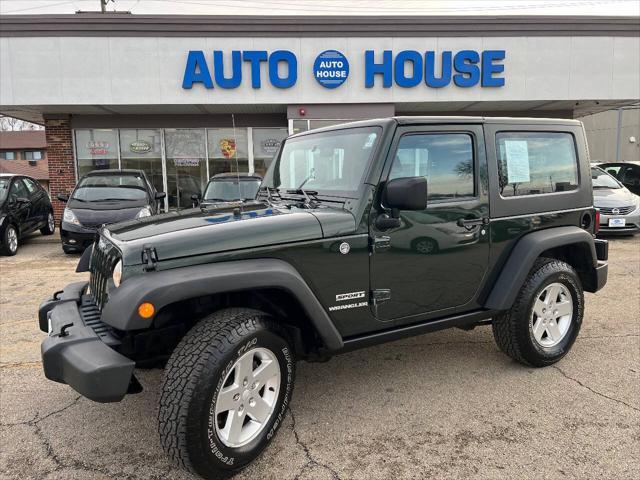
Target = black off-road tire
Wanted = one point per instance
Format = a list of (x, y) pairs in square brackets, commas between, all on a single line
[(513, 330), (50, 226), (195, 374)]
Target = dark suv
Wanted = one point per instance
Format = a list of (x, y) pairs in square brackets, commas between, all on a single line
[(361, 233)]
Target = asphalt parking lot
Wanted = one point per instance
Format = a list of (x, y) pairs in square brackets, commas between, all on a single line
[(444, 405)]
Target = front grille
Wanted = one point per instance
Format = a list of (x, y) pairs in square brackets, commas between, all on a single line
[(103, 259), (618, 210), (91, 316)]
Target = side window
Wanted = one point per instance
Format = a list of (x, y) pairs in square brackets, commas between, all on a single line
[(31, 186), (445, 159), (18, 190), (533, 163)]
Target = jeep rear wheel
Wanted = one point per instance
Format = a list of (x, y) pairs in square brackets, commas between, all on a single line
[(226, 390), (546, 316)]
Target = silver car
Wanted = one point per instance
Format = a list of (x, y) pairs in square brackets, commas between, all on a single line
[(619, 208)]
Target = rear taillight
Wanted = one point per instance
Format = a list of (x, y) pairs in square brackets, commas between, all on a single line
[(596, 226)]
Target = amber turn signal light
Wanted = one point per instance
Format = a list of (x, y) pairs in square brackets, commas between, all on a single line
[(146, 310)]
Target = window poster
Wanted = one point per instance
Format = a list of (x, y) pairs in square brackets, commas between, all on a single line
[(517, 161)]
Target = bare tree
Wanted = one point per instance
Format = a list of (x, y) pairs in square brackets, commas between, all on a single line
[(10, 124)]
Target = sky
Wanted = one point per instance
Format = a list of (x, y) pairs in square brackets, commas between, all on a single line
[(332, 7)]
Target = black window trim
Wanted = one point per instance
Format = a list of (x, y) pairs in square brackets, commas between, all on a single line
[(474, 146), (538, 195)]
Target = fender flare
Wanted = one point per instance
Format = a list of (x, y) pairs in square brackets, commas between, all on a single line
[(164, 287), (524, 255)]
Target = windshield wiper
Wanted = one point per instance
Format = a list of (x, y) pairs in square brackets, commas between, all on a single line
[(306, 193)]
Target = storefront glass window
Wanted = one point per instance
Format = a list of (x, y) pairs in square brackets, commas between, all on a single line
[(300, 126), (225, 147), (266, 142), (96, 149), (141, 149), (186, 165)]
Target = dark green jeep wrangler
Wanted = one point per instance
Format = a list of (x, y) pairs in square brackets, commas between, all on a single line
[(361, 233)]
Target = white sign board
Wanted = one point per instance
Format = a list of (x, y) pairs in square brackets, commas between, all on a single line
[(517, 161)]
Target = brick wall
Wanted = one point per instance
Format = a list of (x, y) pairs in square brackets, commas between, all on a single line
[(62, 177)]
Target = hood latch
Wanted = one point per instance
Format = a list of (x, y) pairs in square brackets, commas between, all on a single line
[(149, 258)]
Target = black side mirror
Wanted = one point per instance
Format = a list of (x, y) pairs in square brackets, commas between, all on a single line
[(160, 195), (63, 198), (195, 198), (408, 193)]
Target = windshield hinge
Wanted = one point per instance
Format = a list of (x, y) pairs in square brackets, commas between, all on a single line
[(149, 258)]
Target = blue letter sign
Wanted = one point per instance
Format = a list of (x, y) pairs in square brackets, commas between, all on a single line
[(407, 69)]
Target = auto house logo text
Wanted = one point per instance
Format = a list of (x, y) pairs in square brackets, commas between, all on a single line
[(331, 69)]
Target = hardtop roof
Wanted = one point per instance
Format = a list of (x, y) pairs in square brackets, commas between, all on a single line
[(437, 120)]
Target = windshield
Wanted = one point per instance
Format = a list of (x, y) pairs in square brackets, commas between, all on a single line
[(601, 179), (100, 188), (4, 188), (332, 163), (227, 190)]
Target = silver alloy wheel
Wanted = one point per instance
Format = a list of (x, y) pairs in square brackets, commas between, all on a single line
[(552, 315), (51, 222), (247, 398), (12, 239)]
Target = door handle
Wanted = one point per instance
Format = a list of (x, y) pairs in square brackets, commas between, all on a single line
[(472, 222)]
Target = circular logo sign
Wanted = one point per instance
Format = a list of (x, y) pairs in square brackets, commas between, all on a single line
[(140, 146), (270, 145), (331, 68), (345, 248), (615, 211)]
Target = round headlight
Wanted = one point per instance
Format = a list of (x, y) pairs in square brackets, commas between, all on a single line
[(117, 274)]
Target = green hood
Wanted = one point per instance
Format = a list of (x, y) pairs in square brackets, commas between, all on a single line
[(227, 228)]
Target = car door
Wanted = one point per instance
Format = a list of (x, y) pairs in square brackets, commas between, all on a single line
[(20, 205), (435, 261), (39, 211)]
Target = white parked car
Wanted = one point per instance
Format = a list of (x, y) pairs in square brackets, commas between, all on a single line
[(619, 208)]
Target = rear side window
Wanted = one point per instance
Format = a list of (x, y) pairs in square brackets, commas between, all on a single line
[(445, 159), (534, 163)]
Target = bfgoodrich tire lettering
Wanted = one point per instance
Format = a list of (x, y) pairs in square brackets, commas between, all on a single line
[(194, 377), (513, 330)]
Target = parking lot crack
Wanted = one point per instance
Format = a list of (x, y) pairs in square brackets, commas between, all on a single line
[(311, 462), (575, 380)]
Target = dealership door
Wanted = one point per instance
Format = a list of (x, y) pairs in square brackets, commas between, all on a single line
[(141, 149), (434, 262)]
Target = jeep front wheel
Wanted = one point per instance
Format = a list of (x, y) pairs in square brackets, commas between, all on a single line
[(226, 390), (546, 316)]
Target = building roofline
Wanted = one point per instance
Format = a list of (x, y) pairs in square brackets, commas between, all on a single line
[(119, 25)]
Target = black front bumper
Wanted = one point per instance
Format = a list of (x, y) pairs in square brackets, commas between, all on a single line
[(77, 237), (78, 352)]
